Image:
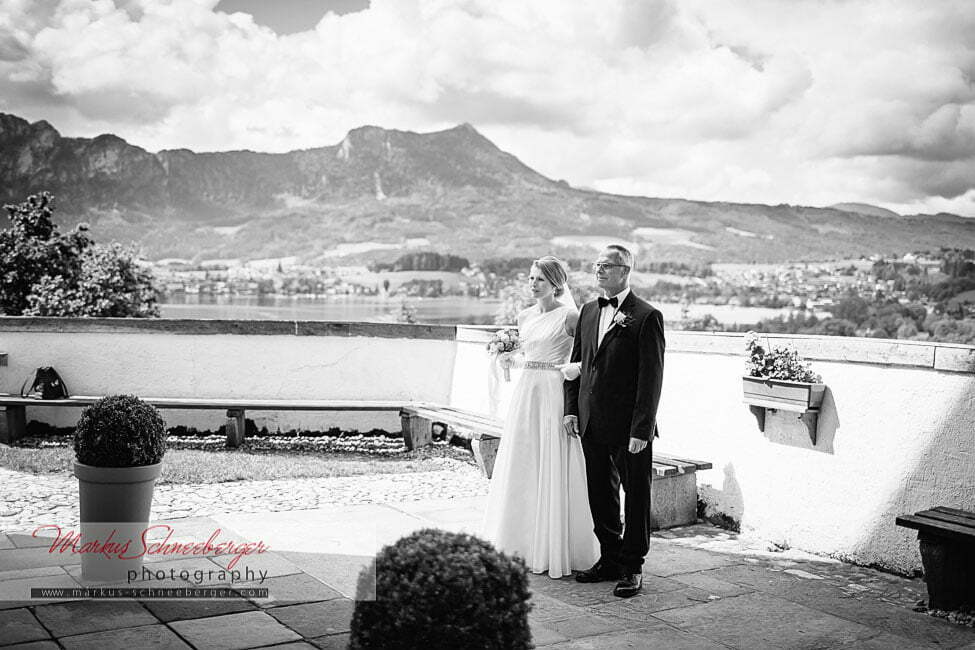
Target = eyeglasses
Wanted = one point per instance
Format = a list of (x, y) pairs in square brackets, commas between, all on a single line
[(602, 266)]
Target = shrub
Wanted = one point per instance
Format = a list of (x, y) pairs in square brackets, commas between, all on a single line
[(436, 589), (120, 431), (777, 363), (44, 272)]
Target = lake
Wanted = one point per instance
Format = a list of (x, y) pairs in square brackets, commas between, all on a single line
[(448, 310)]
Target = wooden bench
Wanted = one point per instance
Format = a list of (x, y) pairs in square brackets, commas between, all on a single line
[(674, 496), (16, 406), (946, 537)]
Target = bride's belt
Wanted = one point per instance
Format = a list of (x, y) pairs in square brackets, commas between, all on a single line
[(540, 365)]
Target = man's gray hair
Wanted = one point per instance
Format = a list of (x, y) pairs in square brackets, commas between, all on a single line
[(624, 255)]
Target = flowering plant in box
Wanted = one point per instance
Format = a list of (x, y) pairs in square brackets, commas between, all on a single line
[(777, 363), (501, 345)]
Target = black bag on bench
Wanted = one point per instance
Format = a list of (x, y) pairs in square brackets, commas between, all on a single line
[(46, 384)]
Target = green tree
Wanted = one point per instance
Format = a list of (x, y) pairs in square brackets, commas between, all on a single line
[(852, 308), (110, 284), (47, 273), (32, 248)]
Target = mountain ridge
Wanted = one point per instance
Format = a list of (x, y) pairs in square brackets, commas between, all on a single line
[(453, 189)]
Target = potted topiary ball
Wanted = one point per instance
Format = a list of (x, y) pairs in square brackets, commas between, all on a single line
[(436, 589), (119, 443)]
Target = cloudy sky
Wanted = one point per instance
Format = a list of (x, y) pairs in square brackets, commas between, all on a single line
[(807, 102)]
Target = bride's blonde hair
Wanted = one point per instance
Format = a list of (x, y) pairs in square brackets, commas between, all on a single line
[(554, 271)]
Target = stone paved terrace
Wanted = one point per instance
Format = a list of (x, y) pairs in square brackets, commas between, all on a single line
[(704, 588)]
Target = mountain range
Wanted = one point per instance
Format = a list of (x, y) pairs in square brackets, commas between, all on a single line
[(380, 192)]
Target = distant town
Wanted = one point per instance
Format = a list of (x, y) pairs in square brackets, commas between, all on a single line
[(892, 296)]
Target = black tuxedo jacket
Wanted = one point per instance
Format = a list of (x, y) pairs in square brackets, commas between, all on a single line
[(617, 394)]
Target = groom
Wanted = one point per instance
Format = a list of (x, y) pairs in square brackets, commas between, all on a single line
[(613, 404)]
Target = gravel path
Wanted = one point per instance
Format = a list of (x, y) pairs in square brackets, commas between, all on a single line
[(31, 500)]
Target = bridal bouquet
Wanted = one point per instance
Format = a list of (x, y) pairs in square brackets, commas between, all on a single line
[(503, 342)]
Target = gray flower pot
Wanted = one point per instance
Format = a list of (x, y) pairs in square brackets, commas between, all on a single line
[(115, 504)]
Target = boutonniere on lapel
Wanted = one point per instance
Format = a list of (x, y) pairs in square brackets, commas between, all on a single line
[(622, 319)]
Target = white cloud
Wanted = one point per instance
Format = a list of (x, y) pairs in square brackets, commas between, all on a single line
[(777, 101)]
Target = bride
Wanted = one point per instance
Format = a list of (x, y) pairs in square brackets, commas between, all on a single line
[(537, 504)]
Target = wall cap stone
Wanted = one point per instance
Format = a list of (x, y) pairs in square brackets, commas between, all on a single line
[(948, 357), (234, 327)]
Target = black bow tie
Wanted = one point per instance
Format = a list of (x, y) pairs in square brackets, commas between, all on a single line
[(607, 301)]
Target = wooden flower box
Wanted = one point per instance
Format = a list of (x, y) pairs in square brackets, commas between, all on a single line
[(796, 396)]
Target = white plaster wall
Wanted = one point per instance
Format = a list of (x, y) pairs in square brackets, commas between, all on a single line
[(892, 440), (239, 366)]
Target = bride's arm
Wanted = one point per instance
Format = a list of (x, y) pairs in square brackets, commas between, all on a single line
[(571, 321), (571, 371)]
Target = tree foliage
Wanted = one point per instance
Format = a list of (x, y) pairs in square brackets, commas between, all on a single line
[(44, 272)]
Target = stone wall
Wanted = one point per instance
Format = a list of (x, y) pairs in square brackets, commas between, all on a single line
[(245, 359)]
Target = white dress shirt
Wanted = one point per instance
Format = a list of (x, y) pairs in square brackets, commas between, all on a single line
[(607, 313)]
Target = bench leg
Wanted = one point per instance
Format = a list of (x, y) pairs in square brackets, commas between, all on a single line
[(14, 424), (236, 425), (417, 431), (949, 573), (485, 450), (673, 501)]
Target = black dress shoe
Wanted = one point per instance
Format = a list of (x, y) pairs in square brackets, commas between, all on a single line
[(600, 572), (629, 585)]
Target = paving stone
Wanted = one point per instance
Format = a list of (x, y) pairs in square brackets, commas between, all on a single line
[(33, 557), (234, 631), (5, 542), (333, 642), (34, 645), (712, 585), (592, 625), (147, 636), (316, 619), (765, 579), (177, 610), (19, 625), (27, 540), (759, 620), (81, 617), (543, 635), (884, 641), (660, 637), (275, 564), (37, 572), (297, 645), (339, 571), (890, 618), (667, 560), (287, 590), (571, 592), (640, 607), (546, 608)]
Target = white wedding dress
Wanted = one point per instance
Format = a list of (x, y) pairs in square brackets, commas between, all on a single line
[(537, 505)]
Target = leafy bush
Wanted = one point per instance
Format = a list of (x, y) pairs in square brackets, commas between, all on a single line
[(44, 272), (436, 589), (777, 363), (120, 431), (110, 284)]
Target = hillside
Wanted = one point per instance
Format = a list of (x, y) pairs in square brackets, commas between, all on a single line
[(379, 191)]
